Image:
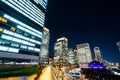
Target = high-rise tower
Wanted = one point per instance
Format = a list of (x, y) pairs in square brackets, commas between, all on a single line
[(60, 49), (98, 56), (71, 56), (21, 29), (45, 46), (84, 55)]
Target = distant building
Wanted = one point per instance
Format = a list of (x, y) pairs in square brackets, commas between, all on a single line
[(45, 46), (76, 57), (71, 56), (118, 44), (98, 56), (84, 55), (61, 49)]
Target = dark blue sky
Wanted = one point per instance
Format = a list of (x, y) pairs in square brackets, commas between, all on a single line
[(95, 22)]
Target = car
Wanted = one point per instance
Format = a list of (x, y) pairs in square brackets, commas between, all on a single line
[(115, 70)]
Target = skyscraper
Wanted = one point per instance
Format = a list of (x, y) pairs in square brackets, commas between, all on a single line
[(71, 56), (84, 55), (21, 29), (45, 46), (60, 49), (98, 56)]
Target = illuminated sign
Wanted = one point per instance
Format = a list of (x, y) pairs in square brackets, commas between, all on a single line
[(95, 64)]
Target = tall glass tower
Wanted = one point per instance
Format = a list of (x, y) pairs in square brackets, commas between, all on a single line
[(21, 29)]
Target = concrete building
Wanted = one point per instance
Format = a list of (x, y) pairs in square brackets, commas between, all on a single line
[(84, 55), (98, 56), (21, 29), (61, 49)]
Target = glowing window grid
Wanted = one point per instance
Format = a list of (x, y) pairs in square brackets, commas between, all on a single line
[(32, 12), (24, 27)]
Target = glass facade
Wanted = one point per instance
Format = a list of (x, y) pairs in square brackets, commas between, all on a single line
[(21, 29)]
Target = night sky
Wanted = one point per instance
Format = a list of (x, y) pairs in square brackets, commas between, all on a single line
[(85, 21)]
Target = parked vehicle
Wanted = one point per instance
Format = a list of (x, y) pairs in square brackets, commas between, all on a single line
[(115, 70)]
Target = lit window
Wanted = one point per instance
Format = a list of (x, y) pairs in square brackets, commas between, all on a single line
[(24, 29), (3, 19), (18, 35), (14, 44), (30, 48), (8, 32), (17, 40), (25, 38), (3, 48), (13, 50), (23, 46), (6, 16), (36, 49), (1, 29), (6, 37), (13, 29)]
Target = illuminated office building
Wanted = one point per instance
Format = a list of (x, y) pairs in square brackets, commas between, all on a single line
[(84, 55), (98, 56), (71, 56), (60, 49), (21, 29)]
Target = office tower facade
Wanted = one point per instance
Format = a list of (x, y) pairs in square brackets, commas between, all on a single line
[(61, 49), (71, 56), (76, 57), (45, 46), (118, 44), (21, 29), (98, 56), (84, 55)]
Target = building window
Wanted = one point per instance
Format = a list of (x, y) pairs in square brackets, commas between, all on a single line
[(23, 46), (4, 42), (19, 31), (26, 34), (1, 29), (13, 29), (15, 44)]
